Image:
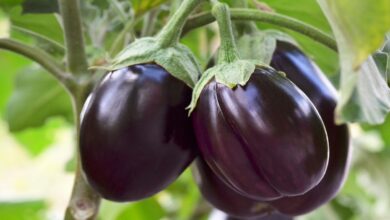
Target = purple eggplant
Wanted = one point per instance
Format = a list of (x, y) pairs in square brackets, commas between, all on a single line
[(222, 197), (135, 135), (265, 139), (309, 78)]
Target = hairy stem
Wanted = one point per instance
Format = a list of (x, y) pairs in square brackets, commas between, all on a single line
[(171, 32), (41, 57), (71, 20), (228, 52), (84, 203), (266, 17)]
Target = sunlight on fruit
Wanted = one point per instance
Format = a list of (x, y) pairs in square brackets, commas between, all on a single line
[(24, 178)]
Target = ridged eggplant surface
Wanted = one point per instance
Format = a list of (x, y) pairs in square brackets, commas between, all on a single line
[(305, 74), (222, 197), (265, 139)]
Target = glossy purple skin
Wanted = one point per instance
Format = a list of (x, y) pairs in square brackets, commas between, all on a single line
[(311, 80), (136, 137), (266, 138), (223, 197)]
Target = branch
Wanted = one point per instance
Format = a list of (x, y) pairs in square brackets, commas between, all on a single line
[(71, 20), (40, 57), (266, 17), (84, 203)]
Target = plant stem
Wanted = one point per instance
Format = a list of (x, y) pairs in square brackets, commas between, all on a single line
[(40, 57), (71, 20), (228, 52), (266, 17), (171, 32), (57, 45), (84, 203)]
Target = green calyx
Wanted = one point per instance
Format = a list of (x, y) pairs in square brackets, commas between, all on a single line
[(164, 49), (229, 74), (258, 45), (230, 70), (178, 60)]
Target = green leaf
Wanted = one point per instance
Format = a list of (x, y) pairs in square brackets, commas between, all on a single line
[(37, 140), (33, 210), (386, 46), (365, 96), (40, 6), (142, 6), (45, 26), (359, 26), (8, 4), (379, 59), (36, 97), (309, 12), (11, 64), (382, 61)]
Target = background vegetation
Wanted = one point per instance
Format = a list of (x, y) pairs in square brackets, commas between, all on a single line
[(37, 138)]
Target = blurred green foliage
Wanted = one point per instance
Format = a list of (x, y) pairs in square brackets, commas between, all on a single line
[(32, 210), (366, 194)]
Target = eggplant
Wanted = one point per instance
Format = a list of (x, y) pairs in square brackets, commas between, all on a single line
[(265, 139), (135, 135), (309, 78), (222, 197)]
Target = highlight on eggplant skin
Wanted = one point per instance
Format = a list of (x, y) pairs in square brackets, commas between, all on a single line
[(135, 136), (265, 139), (309, 78)]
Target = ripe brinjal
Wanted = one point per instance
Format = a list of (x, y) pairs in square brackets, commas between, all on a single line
[(305, 74), (223, 197), (265, 139), (135, 135)]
